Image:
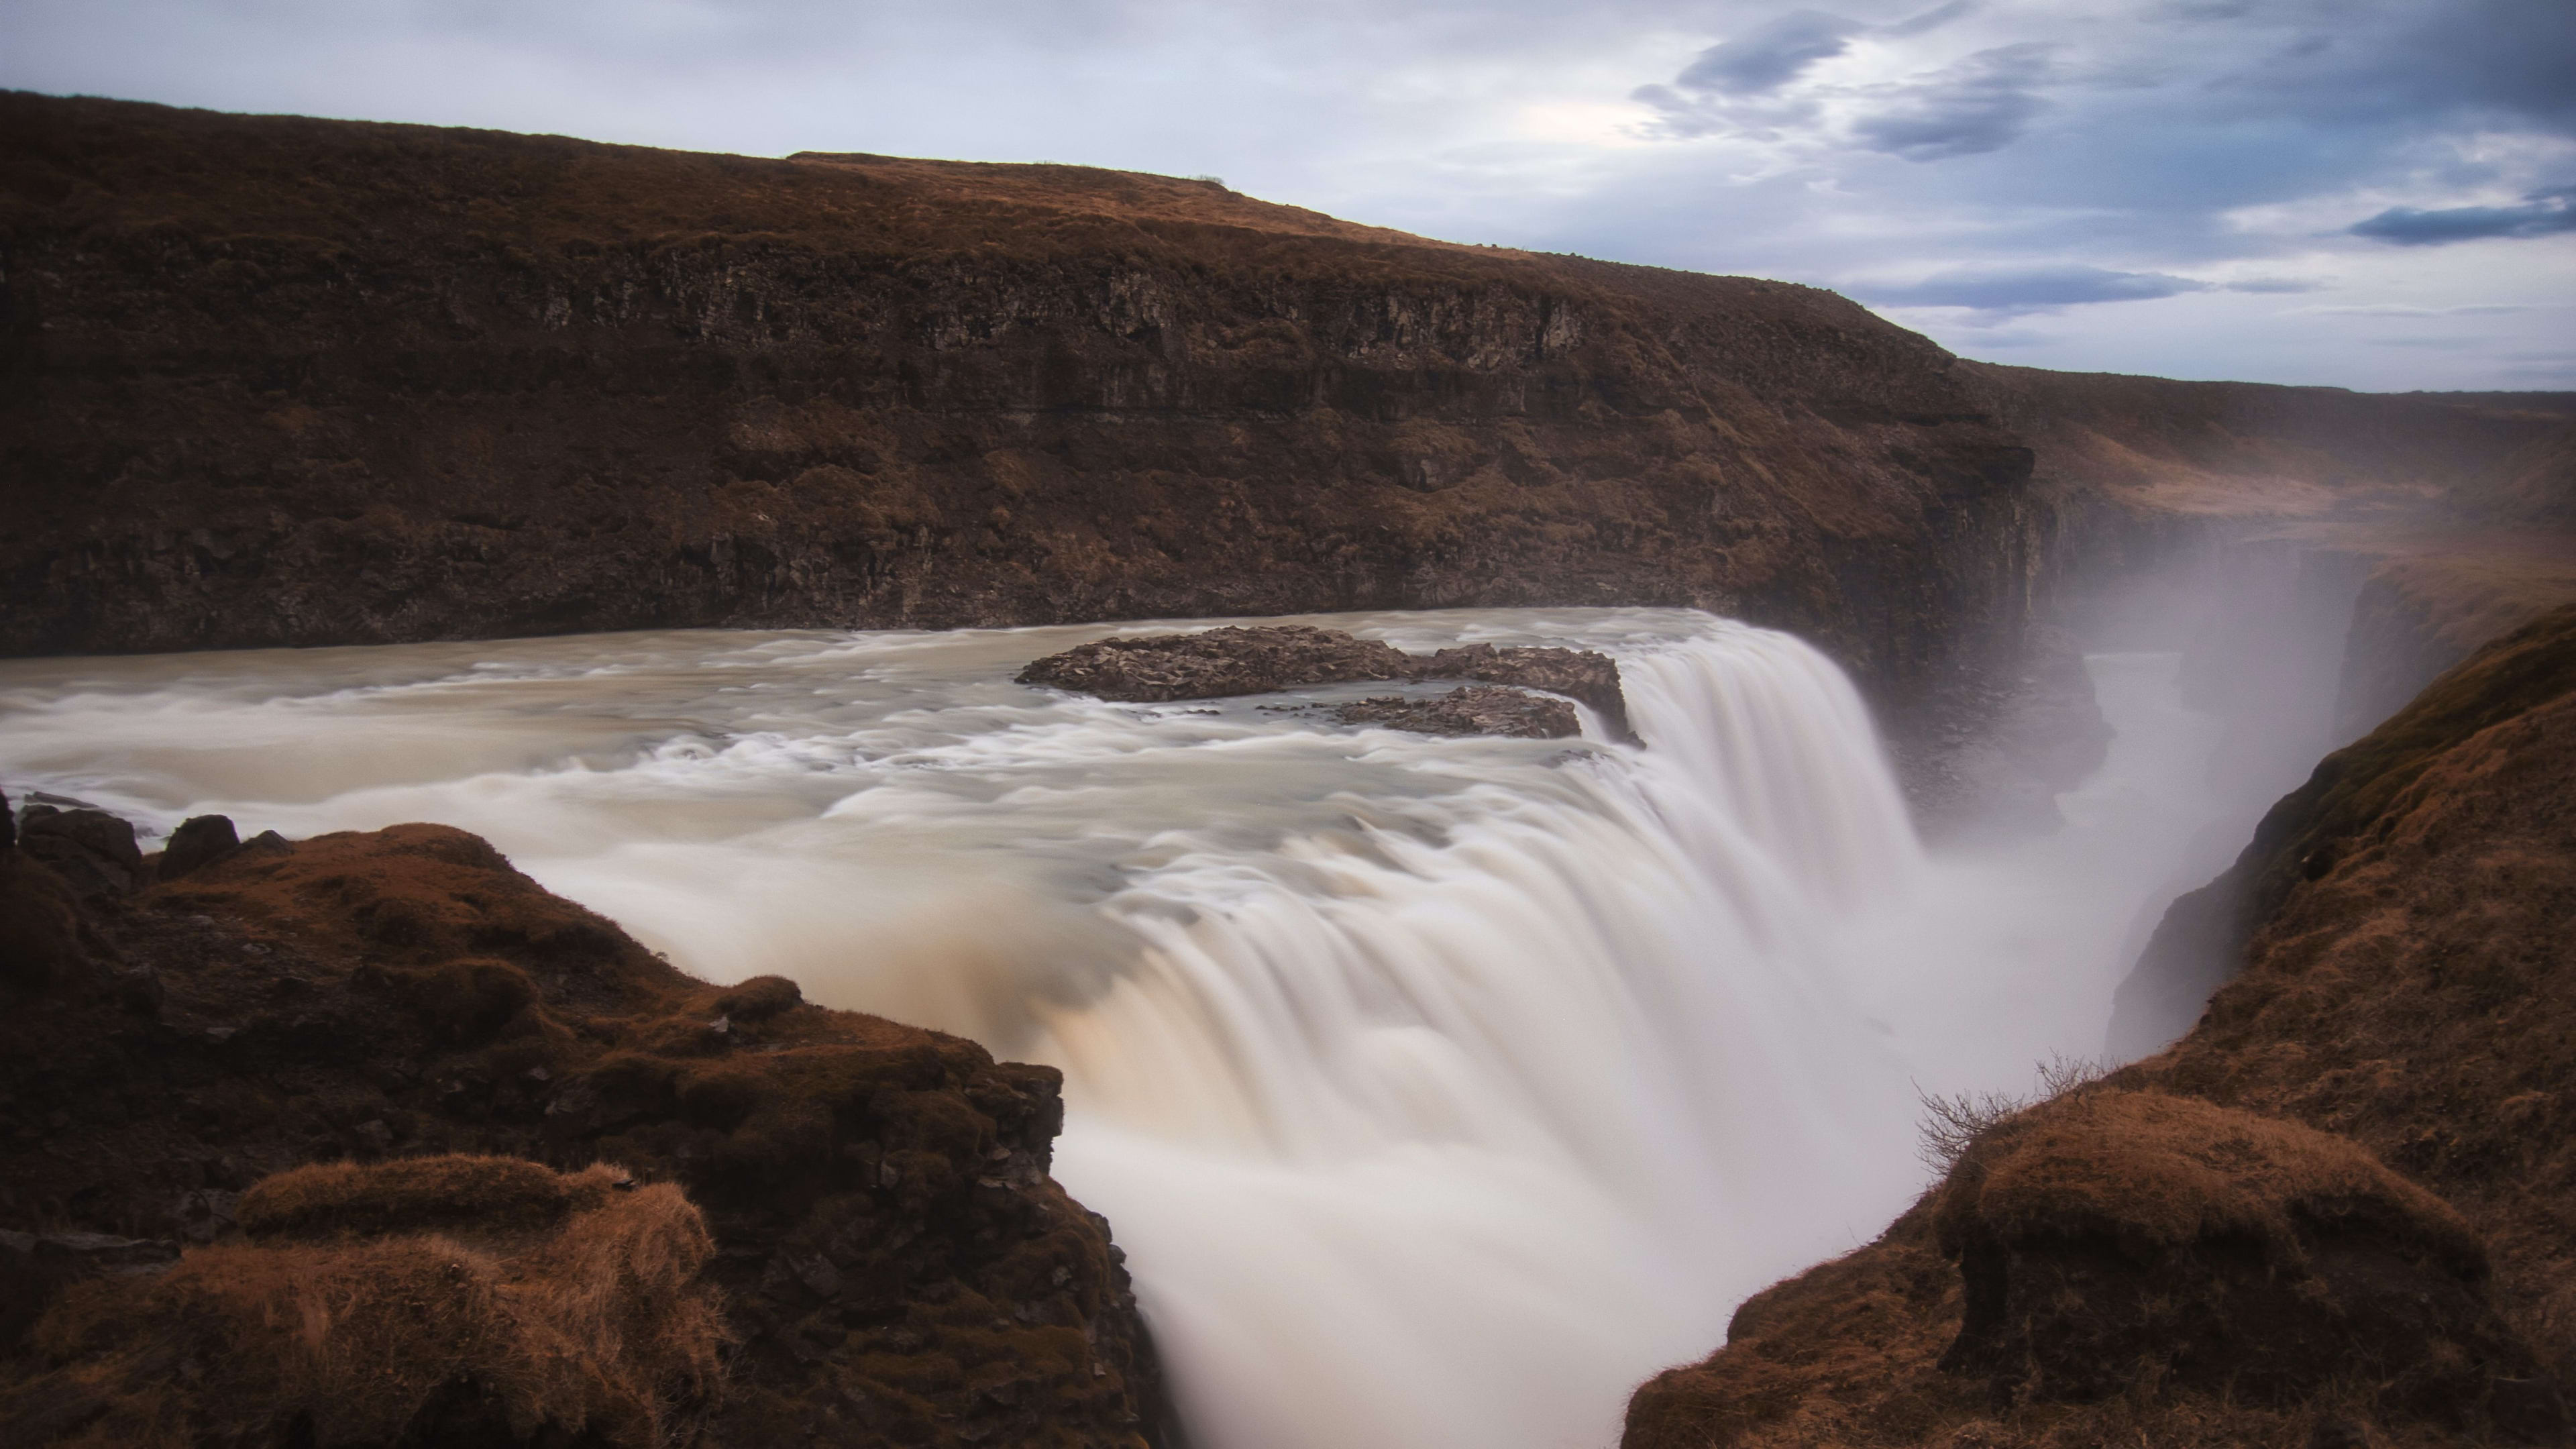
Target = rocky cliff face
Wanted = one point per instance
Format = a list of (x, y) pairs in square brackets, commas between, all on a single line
[(278, 381), (892, 1261), (2238, 1241)]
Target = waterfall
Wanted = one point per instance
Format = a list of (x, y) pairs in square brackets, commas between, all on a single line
[(1478, 1123), (1439, 1089)]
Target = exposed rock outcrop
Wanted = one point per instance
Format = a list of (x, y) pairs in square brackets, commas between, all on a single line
[(1478, 709), (284, 381), (1262, 659), (1216, 663), (894, 1261), (2141, 1260)]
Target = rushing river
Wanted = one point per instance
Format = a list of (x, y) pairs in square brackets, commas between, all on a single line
[(1439, 1089)]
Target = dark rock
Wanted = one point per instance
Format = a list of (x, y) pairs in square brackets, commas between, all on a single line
[(41, 936), (1260, 659), (139, 990), (94, 852), (8, 824), (1577, 674), (888, 1171), (1217, 663), (1477, 709), (206, 1213), (200, 840)]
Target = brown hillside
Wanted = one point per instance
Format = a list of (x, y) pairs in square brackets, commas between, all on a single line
[(2238, 1242), (274, 380)]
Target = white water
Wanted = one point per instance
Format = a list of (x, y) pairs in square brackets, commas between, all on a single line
[(1440, 1090)]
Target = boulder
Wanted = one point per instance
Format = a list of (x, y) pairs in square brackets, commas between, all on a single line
[(94, 852), (200, 840)]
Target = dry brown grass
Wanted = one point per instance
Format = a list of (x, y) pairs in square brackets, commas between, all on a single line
[(331, 1200), (2154, 1172), (370, 1330)]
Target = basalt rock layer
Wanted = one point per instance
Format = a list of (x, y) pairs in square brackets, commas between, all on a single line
[(1262, 659), (895, 1264), (2335, 1213), (284, 381)]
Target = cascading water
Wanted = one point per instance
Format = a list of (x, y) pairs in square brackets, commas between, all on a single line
[(1440, 1089)]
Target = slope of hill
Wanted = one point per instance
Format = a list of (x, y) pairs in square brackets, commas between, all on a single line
[(285, 381), (2210, 1247)]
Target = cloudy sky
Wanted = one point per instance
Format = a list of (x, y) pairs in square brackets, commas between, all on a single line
[(2368, 193)]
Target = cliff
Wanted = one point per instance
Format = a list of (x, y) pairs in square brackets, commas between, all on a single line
[(285, 381), (869, 1227), (2332, 1214)]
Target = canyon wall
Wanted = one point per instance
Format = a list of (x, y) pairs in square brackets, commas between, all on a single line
[(2238, 1241), (282, 381)]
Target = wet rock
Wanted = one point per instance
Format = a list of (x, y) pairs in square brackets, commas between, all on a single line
[(1262, 659), (1578, 674), (1477, 709), (200, 840), (94, 852), (1217, 663)]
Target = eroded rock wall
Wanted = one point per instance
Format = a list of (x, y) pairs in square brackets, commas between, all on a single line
[(278, 381), (2238, 1241)]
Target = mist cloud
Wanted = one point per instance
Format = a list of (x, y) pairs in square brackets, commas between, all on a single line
[(2543, 213)]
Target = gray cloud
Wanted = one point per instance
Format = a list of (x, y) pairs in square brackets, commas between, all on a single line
[(1981, 104), (2019, 290), (2082, 151), (1928, 21), (1770, 57), (2396, 309), (2543, 213)]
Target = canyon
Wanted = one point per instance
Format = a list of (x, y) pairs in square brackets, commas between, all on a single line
[(282, 382)]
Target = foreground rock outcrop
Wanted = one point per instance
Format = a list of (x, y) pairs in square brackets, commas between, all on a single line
[(893, 1261), (1262, 659), (2333, 1214)]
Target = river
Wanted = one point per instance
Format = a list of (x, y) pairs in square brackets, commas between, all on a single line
[(1439, 1089)]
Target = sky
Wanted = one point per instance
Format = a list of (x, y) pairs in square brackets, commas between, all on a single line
[(2376, 194)]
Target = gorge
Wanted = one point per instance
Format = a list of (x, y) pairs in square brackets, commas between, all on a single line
[(1435, 1089)]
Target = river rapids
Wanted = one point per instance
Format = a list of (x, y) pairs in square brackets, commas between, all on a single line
[(1440, 1090)]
